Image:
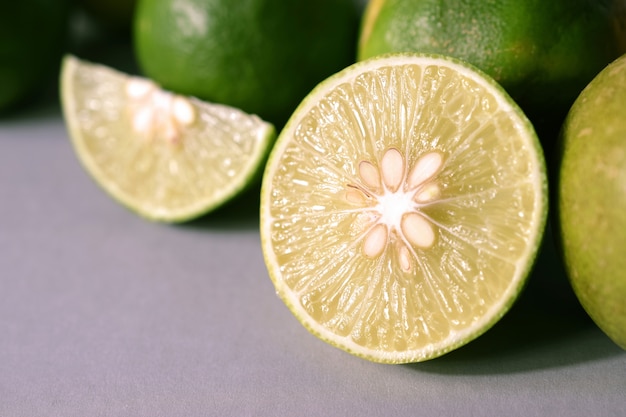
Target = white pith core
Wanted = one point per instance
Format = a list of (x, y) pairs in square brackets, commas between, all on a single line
[(158, 112), (394, 195)]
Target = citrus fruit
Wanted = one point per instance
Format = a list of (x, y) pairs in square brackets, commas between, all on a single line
[(168, 157), (32, 39), (402, 207), (542, 53), (592, 199), (262, 56)]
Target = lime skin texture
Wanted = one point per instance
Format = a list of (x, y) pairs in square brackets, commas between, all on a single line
[(542, 52), (591, 210)]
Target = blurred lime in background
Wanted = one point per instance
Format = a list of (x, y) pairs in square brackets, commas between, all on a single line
[(262, 56)]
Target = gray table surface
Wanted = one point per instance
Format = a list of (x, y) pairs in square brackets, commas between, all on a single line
[(103, 313)]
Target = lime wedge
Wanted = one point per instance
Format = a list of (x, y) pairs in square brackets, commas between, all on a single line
[(165, 156), (402, 207)]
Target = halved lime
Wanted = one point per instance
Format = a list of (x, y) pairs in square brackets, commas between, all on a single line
[(402, 207), (168, 157)]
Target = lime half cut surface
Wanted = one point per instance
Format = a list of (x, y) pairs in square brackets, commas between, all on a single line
[(165, 156), (402, 207)]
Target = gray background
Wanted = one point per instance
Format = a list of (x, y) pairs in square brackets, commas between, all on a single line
[(103, 313)]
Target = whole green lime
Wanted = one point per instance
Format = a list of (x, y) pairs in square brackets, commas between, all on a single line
[(542, 52), (32, 38), (592, 199), (262, 56)]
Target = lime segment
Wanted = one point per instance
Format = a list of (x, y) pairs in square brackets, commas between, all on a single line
[(168, 157), (402, 207)]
